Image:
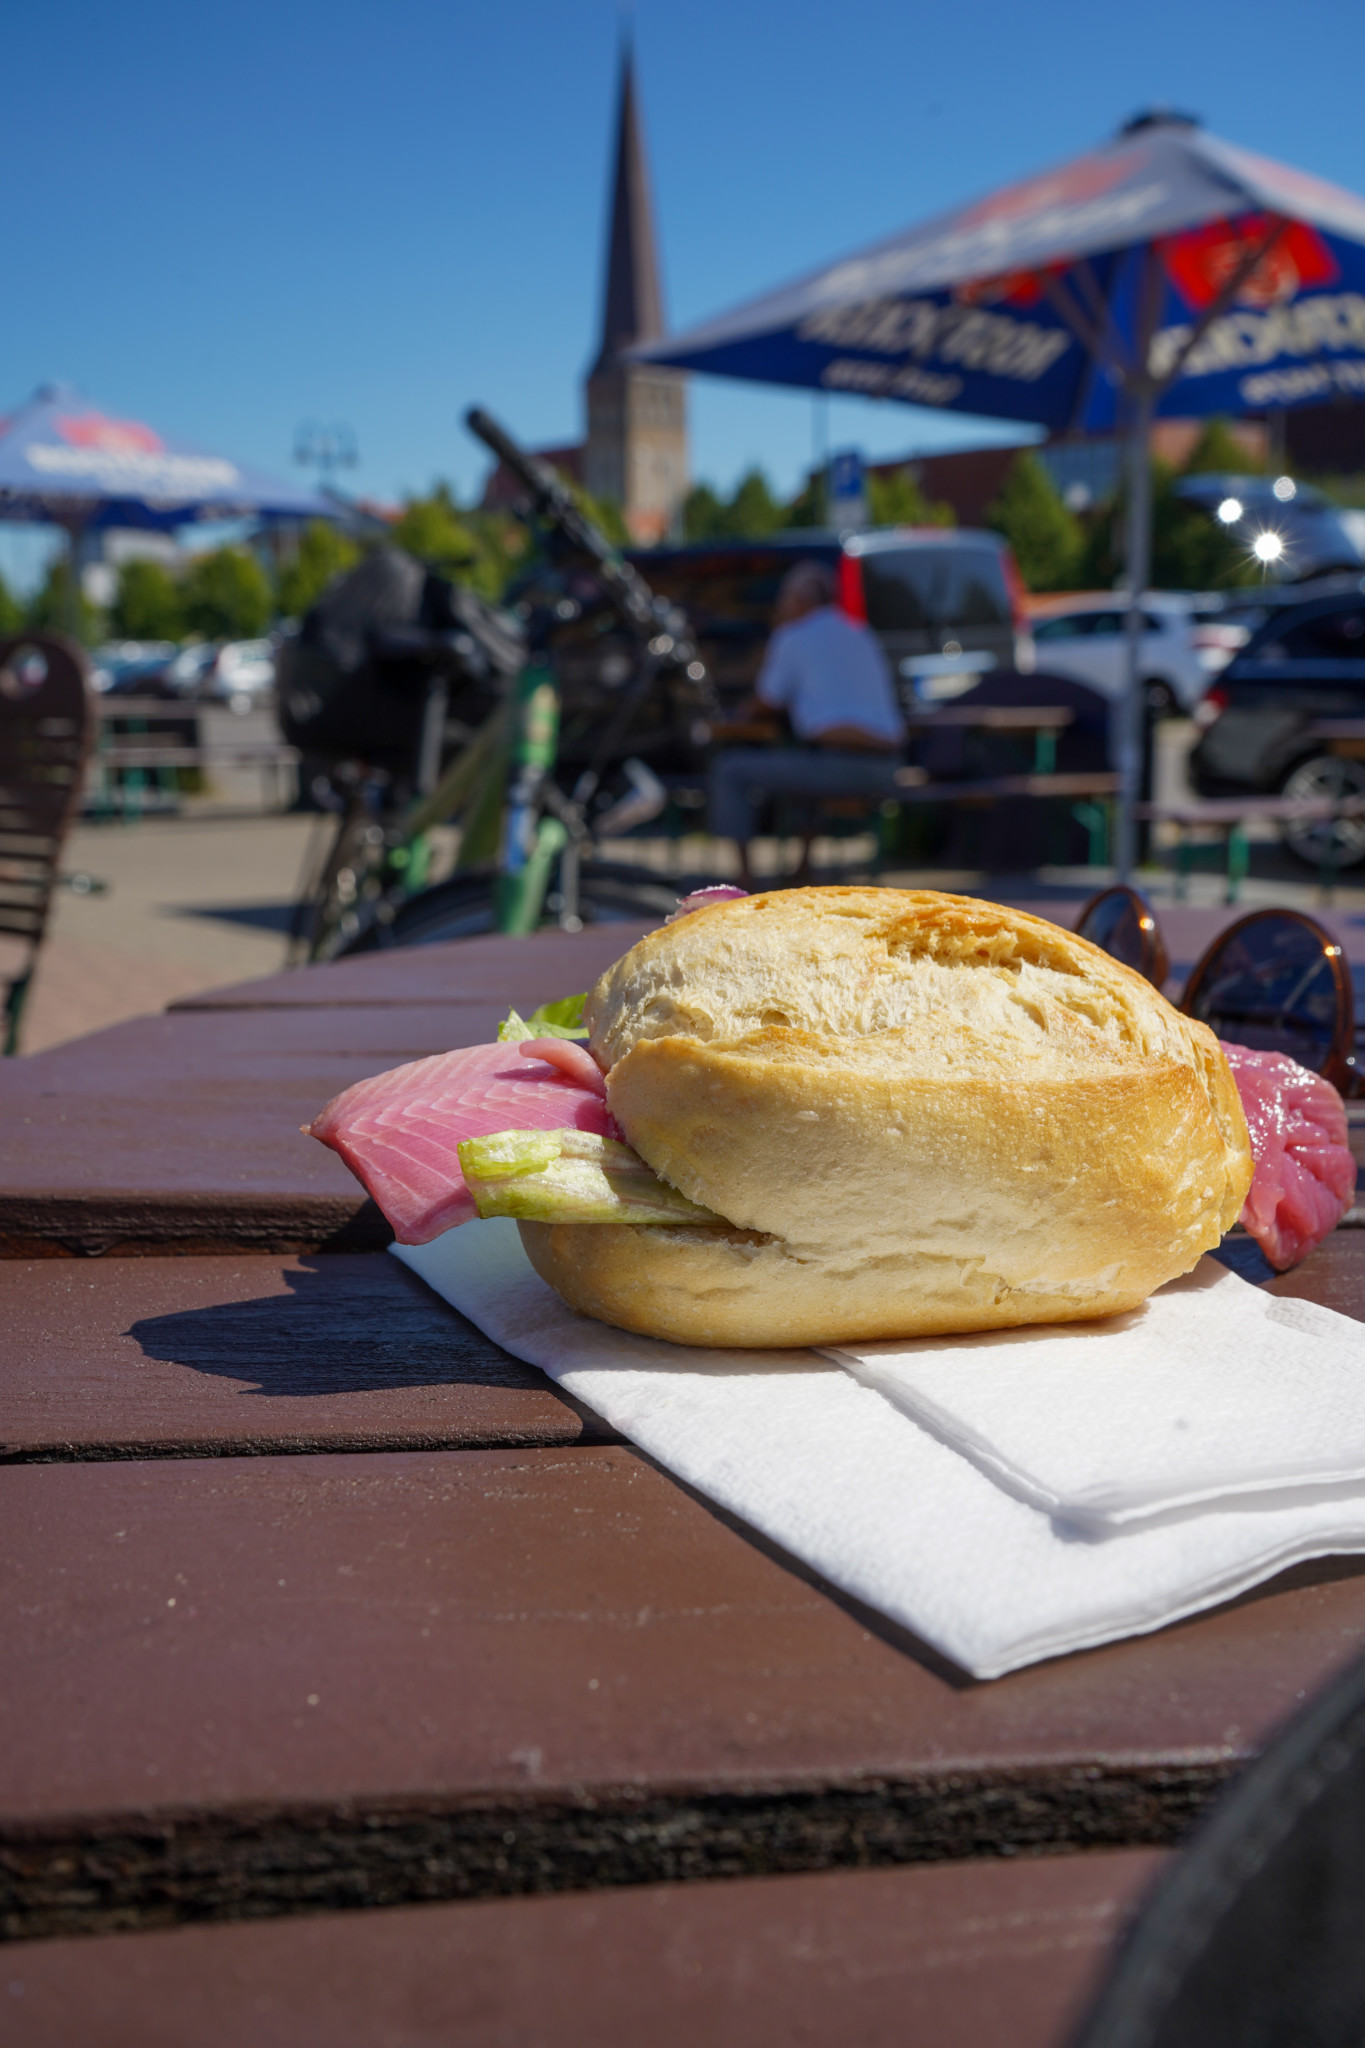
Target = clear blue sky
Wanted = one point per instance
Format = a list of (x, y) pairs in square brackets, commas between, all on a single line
[(228, 219)]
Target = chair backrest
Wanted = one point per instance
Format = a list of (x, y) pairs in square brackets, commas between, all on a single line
[(46, 722), (1255, 1937)]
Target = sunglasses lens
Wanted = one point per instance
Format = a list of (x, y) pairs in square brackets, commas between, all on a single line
[(1271, 987), (1111, 923)]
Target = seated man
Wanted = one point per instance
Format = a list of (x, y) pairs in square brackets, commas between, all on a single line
[(831, 678)]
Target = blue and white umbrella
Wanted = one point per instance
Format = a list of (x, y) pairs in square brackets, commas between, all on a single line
[(1166, 273), (64, 461)]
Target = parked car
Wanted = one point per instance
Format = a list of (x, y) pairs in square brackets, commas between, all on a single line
[(1291, 530), (242, 673), (1302, 670), (946, 603), (1183, 645), (130, 668)]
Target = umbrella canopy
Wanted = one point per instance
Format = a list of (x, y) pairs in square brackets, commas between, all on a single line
[(1244, 279), (1169, 272), (64, 462)]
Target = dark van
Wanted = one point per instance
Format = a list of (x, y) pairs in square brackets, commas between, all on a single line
[(931, 594)]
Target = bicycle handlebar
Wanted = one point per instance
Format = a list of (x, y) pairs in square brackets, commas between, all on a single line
[(652, 617)]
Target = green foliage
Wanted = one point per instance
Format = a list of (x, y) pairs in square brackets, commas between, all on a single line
[(896, 499), (431, 528), (11, 611), (477, 548), (1190, 551), (748, 514), (59, 608), (605, 513), (1218, 451), (323, 554), (147, 603), (226, 595), (1046, 537)]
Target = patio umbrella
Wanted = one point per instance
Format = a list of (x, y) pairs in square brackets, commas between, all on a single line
[(65, 463), (1168, 272)]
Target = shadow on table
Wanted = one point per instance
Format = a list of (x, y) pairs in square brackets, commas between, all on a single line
[(349, 1324)]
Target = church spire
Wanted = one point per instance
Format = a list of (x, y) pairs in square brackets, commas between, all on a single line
[(632, 308), (635, 455)]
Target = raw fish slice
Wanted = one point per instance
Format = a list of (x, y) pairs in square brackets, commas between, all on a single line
[(398, 1131), (1305, 1175)]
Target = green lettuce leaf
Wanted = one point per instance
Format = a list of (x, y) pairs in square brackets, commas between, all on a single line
[(563, 1019), (569, 1177)]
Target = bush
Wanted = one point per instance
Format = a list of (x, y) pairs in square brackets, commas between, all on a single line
[(147, 603), (323, 554), (1045, 535), (226, 595)]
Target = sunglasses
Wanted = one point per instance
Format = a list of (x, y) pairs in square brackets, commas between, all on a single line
[(1275, 981)]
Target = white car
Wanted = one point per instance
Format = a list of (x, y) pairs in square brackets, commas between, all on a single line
[(1181, 651)]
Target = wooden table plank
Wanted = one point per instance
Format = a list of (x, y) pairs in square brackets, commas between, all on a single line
[(204, 1357), (525, 971), (181, 1133), (246, 1686), (960, 1956)]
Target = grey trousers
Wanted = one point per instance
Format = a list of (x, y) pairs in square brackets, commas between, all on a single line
[(743, 777)]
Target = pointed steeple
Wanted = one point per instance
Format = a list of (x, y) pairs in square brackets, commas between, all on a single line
[(635, 455), (632, 308)]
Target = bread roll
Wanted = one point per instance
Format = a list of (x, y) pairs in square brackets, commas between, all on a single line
[(919, 1113)]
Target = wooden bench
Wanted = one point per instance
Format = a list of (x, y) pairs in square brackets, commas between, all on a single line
[(1228, 818), (122, 759)]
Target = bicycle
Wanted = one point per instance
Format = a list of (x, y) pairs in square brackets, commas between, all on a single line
[(527, 848)]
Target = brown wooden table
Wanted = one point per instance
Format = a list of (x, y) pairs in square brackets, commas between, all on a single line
[(313, 1600)]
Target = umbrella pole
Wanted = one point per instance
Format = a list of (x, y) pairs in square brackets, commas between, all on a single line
[(1130, 719)]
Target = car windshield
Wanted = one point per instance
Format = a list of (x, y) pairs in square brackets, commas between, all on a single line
[(908, 589)]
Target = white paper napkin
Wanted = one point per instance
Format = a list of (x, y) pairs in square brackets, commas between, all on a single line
[(1210, 1391), (845, 1480)]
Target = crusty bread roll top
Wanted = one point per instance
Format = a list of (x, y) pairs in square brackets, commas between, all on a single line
[(919, 1113)]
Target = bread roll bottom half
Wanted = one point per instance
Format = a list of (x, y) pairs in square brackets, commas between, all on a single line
[(917, 1113)]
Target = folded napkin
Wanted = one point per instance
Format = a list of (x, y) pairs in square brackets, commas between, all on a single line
[(844, 1479), (1211, 1390)]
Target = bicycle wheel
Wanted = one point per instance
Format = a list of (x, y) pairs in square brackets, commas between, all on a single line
[(463, 908), (1326, 842)]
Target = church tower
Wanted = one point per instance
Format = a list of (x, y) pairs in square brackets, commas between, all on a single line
[(636, 451)]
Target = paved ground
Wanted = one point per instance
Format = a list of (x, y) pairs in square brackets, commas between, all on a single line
[(202, 900), (188, 903)]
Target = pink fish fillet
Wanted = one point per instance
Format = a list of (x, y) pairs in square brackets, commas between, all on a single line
[(398, 1131), (1305, 1176)]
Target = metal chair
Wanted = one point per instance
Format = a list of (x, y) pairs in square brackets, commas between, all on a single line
[(46, 722), (1255, 1936)]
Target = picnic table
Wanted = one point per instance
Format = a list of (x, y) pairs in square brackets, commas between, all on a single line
[(314, 1601)]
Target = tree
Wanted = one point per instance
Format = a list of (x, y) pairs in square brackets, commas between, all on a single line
[(1046, 537), (477, 548), (11, 611), (896, 499), (431, 528), (226, 595), (749, 513), (147, 603), (1218, 451), (703, 514), (51, 605), (323, 554), (1190, 551)]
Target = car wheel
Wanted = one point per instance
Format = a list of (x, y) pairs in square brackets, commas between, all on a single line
[(1160, 698), (1326, 842)]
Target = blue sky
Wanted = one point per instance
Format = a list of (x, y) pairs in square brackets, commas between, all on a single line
[(228, 220)]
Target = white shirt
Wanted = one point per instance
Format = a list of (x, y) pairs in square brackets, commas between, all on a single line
[(824, 670)]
